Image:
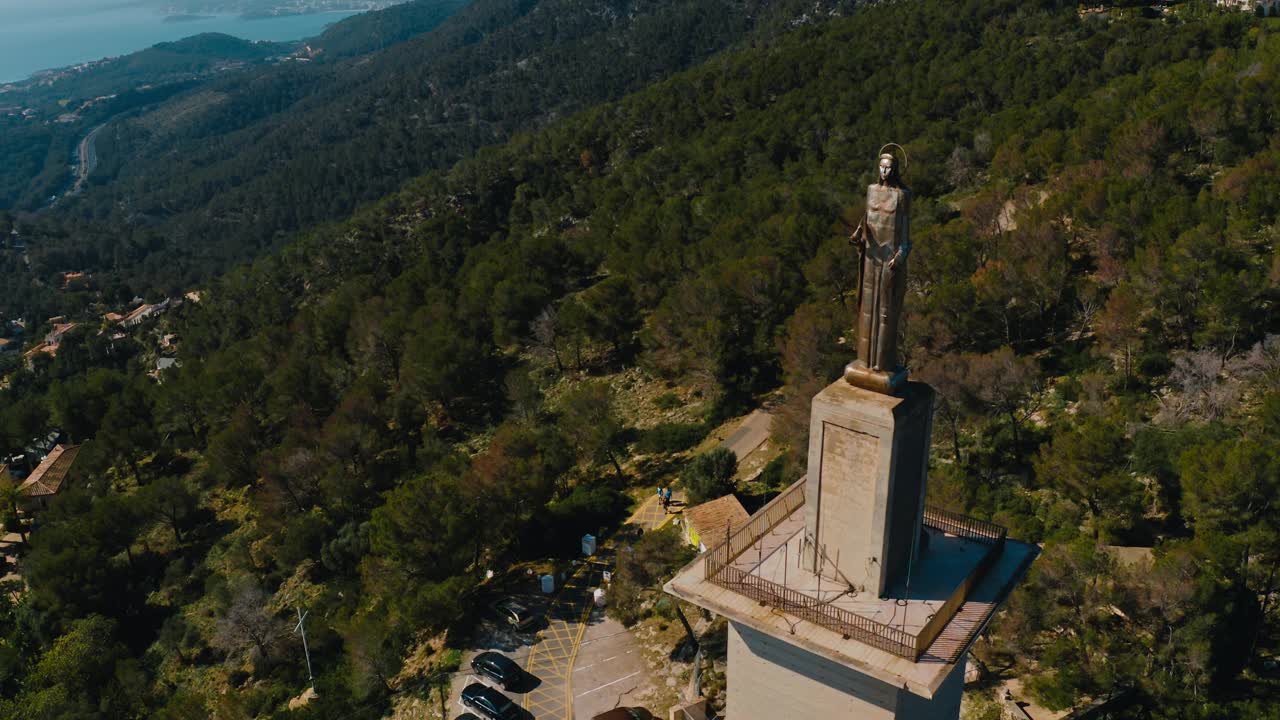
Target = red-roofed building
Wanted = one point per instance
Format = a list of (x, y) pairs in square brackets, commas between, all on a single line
[(705, 525), (55, 335), (144, 312), (49, 477)]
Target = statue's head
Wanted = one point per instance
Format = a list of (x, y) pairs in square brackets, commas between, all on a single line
[(888, 169)]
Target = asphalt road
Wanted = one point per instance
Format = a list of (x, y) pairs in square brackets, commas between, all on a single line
[(609, 671), (753, 431), (514, 645)]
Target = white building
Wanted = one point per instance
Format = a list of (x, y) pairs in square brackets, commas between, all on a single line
[(1262, 7)]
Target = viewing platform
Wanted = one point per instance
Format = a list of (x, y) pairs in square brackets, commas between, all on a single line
[(912, 637)]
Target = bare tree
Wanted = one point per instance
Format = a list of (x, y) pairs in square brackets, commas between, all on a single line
[(1001, 383), (546, 334), (1199, 388), (1205, 385), (248, 623)]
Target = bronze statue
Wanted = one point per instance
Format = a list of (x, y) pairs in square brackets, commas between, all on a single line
[(883, 239)]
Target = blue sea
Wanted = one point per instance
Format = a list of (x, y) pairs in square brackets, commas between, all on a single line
[(31, 40)]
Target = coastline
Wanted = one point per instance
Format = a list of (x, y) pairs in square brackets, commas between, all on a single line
[(182, 18), (52, 46), (292, 13)]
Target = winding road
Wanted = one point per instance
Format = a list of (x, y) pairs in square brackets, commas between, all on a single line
[(87, 157)]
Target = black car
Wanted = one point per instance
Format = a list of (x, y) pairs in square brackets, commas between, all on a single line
[(489, 702), (516, 614), (467, 716), (498, 668)]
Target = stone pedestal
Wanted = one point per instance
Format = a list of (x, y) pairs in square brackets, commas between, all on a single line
[(868, 456)]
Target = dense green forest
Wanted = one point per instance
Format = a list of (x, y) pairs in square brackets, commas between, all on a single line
[(231, 168), (39, 147), (1093, 293)]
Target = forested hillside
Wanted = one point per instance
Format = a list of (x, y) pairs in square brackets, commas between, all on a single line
[(37, 148), (1093, 293), (230, 169), (118, 88)]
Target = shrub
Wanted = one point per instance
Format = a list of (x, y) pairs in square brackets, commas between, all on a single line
[(710, 475), (641, 570), (668, 401), (774, 475), (671, 437)]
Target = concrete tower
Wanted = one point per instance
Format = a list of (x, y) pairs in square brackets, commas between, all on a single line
[(847, 597)]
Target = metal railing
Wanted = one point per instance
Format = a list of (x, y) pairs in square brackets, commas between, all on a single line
[(719, 570), (943, 615), (764, 521), (963, 525), (805, 607)]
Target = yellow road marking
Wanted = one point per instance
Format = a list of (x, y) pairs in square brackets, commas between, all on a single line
[(558, 646)]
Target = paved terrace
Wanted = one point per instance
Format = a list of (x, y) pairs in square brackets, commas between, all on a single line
[(774, 558), (948, 561)]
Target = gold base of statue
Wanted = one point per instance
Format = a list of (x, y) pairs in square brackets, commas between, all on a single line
[(858, 374)]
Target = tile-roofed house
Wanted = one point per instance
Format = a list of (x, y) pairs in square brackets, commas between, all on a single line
[(163, 364), (137, 315), (47, 479), (144, 312), (705, 524), (55, 336), (42, 347)]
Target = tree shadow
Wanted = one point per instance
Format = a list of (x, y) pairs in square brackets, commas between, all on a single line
[(526, 683), (651, 467)]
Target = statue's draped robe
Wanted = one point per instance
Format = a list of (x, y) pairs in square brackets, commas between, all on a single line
[(882, 289)]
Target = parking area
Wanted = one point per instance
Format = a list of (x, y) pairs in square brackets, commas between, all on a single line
[(493, 637), (579, 663), (610, 671)]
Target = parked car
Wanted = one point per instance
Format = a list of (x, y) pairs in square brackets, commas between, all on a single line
[(515, 613), (489, 702), (625, 713), (467, 716), (498, 668)]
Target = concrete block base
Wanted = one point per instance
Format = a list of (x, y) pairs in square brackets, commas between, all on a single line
[(868, 455), (770, 679)]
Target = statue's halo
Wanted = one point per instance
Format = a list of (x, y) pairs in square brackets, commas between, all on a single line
[(901, 149)]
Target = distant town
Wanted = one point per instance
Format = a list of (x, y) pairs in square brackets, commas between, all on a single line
[(269, 8)]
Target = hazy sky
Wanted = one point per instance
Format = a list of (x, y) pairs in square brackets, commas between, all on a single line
[(20, 9)]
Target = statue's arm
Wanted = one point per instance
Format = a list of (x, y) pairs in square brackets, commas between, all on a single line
[(859, 236), (904, 231)]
